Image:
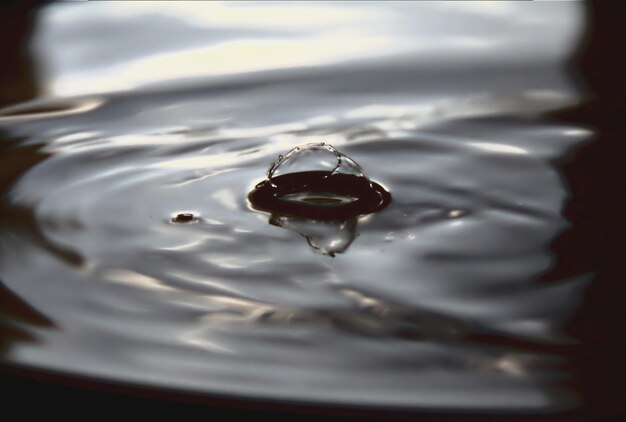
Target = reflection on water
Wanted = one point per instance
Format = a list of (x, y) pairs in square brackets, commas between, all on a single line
[(13, 314), (125, 223), (230, 40)]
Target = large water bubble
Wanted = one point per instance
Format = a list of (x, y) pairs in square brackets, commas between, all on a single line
[(316, 181)]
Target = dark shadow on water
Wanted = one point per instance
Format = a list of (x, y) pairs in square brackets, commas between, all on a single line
[(14, 313), (18, 83), (15, 218), (17, 74), (596, 242)]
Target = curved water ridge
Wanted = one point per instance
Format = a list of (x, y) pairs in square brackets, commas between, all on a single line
[(431, 302)]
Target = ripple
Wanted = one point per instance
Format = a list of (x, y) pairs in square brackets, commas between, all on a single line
[(47, 109)]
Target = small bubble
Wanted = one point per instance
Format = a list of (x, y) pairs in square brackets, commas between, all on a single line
[(185, 217)]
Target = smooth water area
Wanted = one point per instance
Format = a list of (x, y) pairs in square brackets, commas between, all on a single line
[(149, 111)]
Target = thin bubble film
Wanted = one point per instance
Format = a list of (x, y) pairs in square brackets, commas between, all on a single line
[(314, 157)]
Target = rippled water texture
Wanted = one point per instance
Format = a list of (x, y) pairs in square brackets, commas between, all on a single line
[(146, 111)]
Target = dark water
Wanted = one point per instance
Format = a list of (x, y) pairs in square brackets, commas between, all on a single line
[(454, 297)]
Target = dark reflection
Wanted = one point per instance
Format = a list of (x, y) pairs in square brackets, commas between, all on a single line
[(15, 218), (17, 73), (14, 314), (18, 83), (596, 243), (326, 237)]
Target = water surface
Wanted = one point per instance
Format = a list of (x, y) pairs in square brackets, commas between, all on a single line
[(147, 111)]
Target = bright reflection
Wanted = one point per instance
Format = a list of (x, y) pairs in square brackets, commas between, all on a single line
[(74, 137), (495, 8), (232, 262), (270, 16), (134, 279), (581, 132), (281, 136), (500, 148), (227, 59), (226, 198), (185, 40), (382, 111), (184, 246), (546, 95), (199, 338), (48, 109)]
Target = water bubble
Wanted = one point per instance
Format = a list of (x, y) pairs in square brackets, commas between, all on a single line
[(317, 181)]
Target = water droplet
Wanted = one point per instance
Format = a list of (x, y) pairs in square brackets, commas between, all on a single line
[(325, 237)]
